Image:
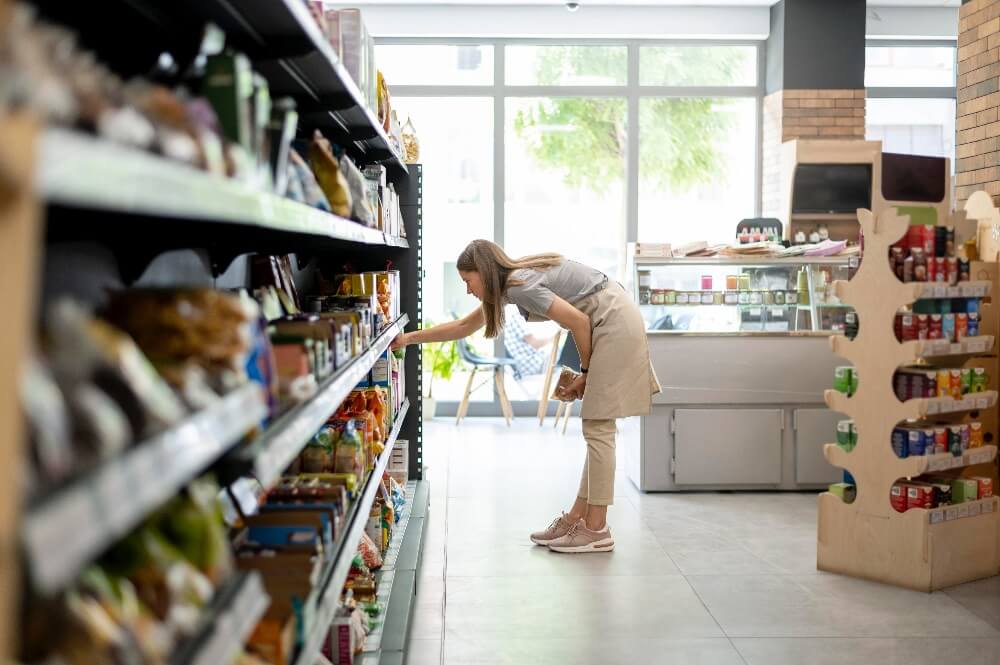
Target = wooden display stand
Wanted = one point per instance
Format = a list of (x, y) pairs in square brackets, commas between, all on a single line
[(919, 549)]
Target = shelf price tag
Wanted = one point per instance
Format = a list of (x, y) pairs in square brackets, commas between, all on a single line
[(935, 516), (983, 403), (951, 513), (988, 506), (963, 510), (975, 508)]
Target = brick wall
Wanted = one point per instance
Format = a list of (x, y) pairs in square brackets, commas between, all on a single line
[(977, 146), (804, 114)]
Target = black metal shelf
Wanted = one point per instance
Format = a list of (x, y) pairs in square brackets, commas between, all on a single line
[(105, 504), (83, 173), (274, 450), (289, 49), (326, 596), (227, 623), (397, 582)]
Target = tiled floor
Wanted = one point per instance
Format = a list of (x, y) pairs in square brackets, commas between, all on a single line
[(696, 579)]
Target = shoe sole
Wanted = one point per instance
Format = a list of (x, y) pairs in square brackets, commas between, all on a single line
[(600, 546), (543, 543)]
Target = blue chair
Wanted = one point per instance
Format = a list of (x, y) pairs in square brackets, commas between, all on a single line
[(478, 362)]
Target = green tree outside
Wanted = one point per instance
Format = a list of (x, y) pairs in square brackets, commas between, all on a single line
[(679, 136)]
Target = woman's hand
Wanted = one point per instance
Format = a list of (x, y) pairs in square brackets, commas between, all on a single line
[(400, 342), (576, 389)]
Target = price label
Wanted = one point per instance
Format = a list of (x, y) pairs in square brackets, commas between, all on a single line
[(963, 510), (937, 465), (975, 508), (933, 406), (755, 311), (988, 507), (941, 291), (951, 513), (983, 403), (936, 516)]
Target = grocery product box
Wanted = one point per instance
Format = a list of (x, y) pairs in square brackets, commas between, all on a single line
[(898, 497), (985, 486), (845, 491), (399, 462)]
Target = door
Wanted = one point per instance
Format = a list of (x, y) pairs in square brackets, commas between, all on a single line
[(727, 446), (814, 428)]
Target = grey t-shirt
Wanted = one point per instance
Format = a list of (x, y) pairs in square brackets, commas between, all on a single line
[(569, 280)]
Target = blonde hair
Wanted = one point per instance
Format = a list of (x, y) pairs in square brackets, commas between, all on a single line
[(494, 268)]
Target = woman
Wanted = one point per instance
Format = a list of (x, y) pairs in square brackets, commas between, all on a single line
[(617, 378)]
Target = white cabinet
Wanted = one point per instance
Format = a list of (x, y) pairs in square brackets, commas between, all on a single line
[(727, 446), (814, 428)]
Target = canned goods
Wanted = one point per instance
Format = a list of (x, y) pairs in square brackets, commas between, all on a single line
[(949, 246), (903, 386), (976, 435), (952, 270), (929, 238), (914, 443), (940, 241), (897, 497), (963, 270), (928, 441)]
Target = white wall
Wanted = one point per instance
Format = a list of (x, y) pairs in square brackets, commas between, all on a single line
[(545, 21), (556, 21)]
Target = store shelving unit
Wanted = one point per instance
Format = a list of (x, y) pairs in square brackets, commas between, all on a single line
[(114, 497), (139, 206), (919, 549), (326, 596), (274, 450)]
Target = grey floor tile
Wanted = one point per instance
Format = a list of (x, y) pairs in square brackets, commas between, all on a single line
[(884, 651), (601, 650), (428, 621), (823, 605), (982, 598), (423, 652), (580, 607)]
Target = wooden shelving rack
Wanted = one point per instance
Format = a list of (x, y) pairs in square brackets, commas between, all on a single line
[(919, 549)]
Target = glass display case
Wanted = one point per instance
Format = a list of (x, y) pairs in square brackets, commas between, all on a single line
[(741, 294)]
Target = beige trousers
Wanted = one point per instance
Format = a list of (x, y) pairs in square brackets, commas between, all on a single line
[(597, 487)]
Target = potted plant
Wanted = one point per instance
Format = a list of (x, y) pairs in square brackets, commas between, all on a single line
[(441, 359)]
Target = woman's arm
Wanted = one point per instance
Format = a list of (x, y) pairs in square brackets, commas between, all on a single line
[(444, 332), (578, 323)]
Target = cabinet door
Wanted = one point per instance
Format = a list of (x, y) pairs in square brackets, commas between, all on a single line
[(814, 428), (727, 446)]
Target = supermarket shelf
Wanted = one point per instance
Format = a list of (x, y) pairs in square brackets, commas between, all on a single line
[(962, 510), (931, 290), (397, 581), (942, 405), (276, 448), (938, 348), (106, 503), (307, 69), (232, 616), (825, 217), (742, 262), (326, 596), (738, 305), (83, 172), (945, 461)]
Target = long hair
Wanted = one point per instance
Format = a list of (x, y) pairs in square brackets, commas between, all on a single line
[(494, 268)]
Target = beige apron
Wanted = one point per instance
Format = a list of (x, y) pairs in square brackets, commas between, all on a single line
[(621, 381)]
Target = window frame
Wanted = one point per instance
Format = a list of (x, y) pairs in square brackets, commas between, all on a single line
[(631, 92)]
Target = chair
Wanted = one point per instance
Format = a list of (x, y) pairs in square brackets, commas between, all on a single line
[(479, 362), (543, 400)]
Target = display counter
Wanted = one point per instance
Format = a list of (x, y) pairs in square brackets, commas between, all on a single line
[(742, 402)]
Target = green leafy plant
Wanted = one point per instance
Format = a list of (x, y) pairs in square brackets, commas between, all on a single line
[(442, 359), (680, 136)]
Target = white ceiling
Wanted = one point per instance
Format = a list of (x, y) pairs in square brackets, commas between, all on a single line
[(656, 3)]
